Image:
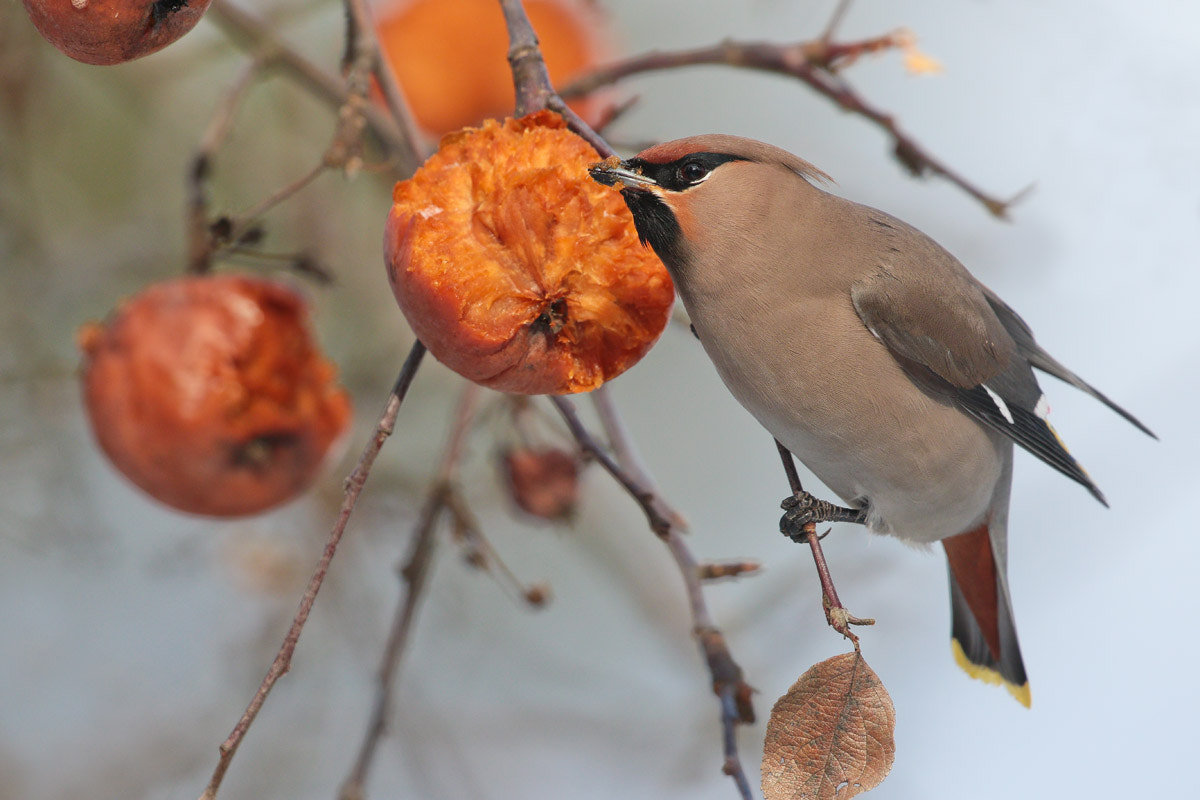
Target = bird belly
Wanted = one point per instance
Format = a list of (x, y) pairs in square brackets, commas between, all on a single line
[(843, 406), (915, 492)]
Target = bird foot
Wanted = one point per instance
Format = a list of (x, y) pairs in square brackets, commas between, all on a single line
[(802, 509)]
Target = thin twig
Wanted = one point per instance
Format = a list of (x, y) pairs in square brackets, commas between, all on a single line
[(728, 684), (659, 523), (614, 112), (720, 570), (399, 139), (361, 57), (627, 455), (221, 124), (356, 114), (414, 574), (581, 128), (242, 222), (835, 613), (534, 92), (815, 64), (835, 19), (732, 767), (200, 239), (361, 36), (482, 554), (301, 263), (353, 488), (617, 434)]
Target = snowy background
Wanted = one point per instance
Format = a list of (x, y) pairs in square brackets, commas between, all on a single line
[(131, 637)]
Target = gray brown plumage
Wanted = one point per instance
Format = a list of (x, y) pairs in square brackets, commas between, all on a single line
[(865, 348)]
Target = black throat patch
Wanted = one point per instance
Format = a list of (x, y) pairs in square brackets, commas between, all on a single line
[(656, 225)]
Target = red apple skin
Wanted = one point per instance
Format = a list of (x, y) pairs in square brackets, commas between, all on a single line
[(113, 31), (210, 395)]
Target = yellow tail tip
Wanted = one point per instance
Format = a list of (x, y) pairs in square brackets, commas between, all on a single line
[(989, 675)]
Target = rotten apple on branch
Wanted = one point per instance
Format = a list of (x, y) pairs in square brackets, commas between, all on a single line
[(516, 270), (209, 394)]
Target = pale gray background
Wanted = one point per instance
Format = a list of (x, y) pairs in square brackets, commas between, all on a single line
[(132, 637)]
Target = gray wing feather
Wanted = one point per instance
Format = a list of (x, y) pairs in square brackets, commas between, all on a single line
[(951, 342), (1022, 336)]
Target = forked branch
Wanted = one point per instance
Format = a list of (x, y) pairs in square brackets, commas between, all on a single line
[(394, 132)]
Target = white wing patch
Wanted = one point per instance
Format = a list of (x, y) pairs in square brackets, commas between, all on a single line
[(1000, 404), (1042, 409)]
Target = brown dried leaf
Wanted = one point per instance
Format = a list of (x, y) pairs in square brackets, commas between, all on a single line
[(830, 736)]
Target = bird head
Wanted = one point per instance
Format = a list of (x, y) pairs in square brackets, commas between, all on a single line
[(682, 191)]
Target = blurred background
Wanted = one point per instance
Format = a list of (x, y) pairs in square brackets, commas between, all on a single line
[(131, 637)]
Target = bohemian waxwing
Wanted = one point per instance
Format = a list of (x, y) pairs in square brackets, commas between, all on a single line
[(868, 351)]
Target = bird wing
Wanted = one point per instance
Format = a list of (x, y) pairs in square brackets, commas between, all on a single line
[(1022, 335), (940, 327)]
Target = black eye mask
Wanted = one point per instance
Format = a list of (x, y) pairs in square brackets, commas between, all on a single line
[(678, 175)]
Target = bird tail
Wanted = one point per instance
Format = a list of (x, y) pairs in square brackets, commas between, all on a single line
[(984, 635)]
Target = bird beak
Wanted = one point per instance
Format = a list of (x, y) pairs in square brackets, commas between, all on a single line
[(612, 172)]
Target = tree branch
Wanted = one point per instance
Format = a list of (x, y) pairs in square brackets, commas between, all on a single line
[(626, 453), (363, 43), (363, 59), (835, 19), (815, 63), (534, 92), (835, 613), (413, 574), (356, 114), (482, 554), (531, 81), (199, 232), (395, 134), (728, 684), (659, 523), (353, 488)]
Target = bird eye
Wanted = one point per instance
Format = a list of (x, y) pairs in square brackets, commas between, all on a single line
[(693, 172)]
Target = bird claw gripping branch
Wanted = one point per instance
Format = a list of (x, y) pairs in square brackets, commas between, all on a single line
[(802, 509)]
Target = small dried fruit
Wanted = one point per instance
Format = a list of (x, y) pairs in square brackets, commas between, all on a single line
[(209, 394), (449, 55), (113, 31), (544, 483), (537, 595), (515, 269)]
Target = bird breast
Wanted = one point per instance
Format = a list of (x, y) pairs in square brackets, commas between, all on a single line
[(810, 372)]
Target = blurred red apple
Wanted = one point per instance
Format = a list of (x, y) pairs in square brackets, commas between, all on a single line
[(113, 31), (210, 394)]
